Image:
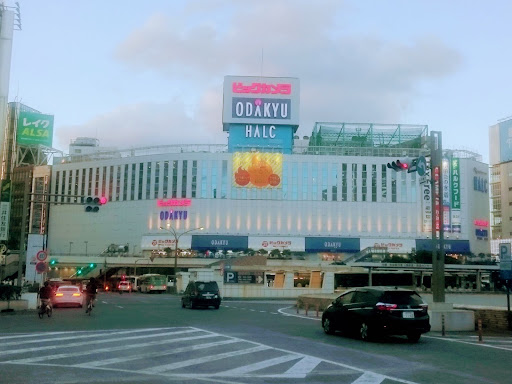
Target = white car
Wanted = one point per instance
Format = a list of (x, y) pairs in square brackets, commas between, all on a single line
[(68, 295), (125, 286)]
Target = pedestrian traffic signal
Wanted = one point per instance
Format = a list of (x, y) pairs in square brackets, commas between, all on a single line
[(407, 164), (92, 204)]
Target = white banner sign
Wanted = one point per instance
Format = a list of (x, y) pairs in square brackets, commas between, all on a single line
[(426, 202), (392, 245), (4, 219), (156, 242), (270, 242)]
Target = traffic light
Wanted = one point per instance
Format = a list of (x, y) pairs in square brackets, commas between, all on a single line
[(78, 270), (54, 262), (92, 204), (407, 164), (92, 265)]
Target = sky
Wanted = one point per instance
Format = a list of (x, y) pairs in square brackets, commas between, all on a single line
[(150, 73)]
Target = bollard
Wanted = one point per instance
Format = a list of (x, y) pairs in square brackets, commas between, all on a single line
[(442, 325), (480, 336), (317, 308), (307, 307)]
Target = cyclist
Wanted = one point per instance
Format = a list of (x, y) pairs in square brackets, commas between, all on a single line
[(91, 290), (45, 294)]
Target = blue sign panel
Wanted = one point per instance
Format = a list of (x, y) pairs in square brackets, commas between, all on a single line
[(215, 242), (332, 244), (450, 246), (243, 137)]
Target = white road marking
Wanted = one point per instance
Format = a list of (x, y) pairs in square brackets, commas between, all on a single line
[(110, 349), (282, 312), (257, 366), (89, 342), (370, 378), (116, 360), (118, 306), (304, 366), (74, 337), (477, 344), (205, 359)]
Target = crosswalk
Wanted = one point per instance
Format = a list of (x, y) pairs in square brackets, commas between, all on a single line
[(177, 353)]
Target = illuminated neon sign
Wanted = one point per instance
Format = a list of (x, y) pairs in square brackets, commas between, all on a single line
[(263, 88), (173, 215), (174, 203), (481, 223)]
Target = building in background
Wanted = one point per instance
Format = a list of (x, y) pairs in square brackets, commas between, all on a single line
[(269, 190), (500, 155)]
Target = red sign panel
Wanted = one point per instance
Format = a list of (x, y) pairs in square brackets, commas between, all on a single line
[(41, 267)]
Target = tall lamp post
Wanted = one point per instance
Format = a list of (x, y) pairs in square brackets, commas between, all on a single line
[(176, 239)]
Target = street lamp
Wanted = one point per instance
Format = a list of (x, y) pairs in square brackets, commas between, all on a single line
[(70, 244), (176, 239)]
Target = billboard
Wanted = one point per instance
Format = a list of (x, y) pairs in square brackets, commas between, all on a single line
[(269, 243), (260, 100), (257, 170), (34, 128)]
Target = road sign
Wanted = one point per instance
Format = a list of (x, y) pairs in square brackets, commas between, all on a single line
[(41, 255), (421, 166), (41, 267), (3, 248), (505, 261)]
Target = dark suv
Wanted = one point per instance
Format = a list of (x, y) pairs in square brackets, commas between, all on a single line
[(201, 294), (377, 311)]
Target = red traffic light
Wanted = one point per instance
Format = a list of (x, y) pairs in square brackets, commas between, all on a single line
[(103, 200)]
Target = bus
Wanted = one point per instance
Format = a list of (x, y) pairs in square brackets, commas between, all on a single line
[(152, 283)]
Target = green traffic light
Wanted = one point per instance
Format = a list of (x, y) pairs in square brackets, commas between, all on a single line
[(53, 262), (92, 265)]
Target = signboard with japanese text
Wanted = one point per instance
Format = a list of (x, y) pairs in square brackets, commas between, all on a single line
[(5, 209), (447, 227), (426, 192), (260, 100), (455, 196), (391, 245), (270, 243), (34, 128)]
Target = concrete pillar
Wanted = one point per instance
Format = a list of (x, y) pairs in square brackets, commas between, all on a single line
[(328, 283), (288, 279), (370, 277)]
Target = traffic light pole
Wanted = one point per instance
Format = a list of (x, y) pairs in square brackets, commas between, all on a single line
[(438, 252)]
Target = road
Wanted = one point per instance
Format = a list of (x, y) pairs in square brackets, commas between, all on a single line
[(139, 338)]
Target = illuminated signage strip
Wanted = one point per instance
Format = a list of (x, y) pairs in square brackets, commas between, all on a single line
[(174, 203)]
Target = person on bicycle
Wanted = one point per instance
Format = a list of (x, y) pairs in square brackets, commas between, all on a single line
[(45, 294), (91, 290)]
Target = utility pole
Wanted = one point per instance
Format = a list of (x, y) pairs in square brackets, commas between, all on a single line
[(23, 253), (438, 252)]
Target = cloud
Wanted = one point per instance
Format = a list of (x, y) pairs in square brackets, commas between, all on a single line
[(344, 77)]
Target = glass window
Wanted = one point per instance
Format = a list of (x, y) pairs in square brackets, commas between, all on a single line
[(314, 181), (344, 184), (157, 180), (204, 177), (174, 179), (214, 180), (374, 182), (324, 182), (166, 179), (141, 180), (194, 178), (184, 179), (354, 182), (224, 180), (305, 181), (384, 189), (393, 187), (132, 184), (345, 298), (365, 184), (148, 181), (334, 182)]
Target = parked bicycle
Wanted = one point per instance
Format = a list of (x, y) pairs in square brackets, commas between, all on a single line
[(45, 308)]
